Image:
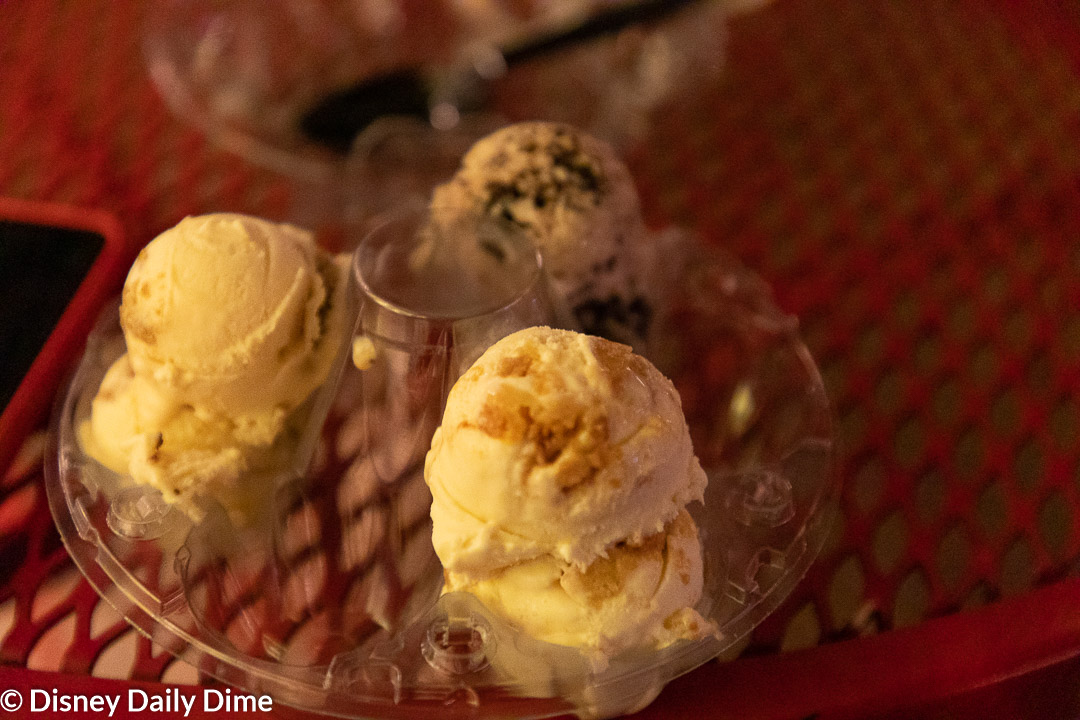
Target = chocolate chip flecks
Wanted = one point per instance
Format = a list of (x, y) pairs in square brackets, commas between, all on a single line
[(582, 168), (642, 311), (601, 317), (500, 200), (569, 175)]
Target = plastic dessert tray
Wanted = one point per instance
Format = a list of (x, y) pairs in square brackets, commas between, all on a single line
[(331, 602), (247, 72)]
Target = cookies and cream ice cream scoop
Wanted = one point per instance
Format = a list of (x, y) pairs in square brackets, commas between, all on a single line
[(575, 198)]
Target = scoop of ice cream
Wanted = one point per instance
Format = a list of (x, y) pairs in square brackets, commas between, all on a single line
[(134, 430), (233, 314), (230, 323), (575, 198), (639, 596), (557, 443)]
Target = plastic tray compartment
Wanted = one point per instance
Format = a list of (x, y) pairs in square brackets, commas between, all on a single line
[(332, 603)]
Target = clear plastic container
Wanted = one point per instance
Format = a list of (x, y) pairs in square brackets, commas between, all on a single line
[(247, 71), (331, 602)]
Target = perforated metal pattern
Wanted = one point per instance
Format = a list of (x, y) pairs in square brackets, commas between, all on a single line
[(80, 124), (906, 177)]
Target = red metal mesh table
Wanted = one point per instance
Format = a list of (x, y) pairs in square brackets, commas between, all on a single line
[(905, 176)]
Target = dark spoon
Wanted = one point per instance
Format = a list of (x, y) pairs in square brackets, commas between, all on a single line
[(336, 119)]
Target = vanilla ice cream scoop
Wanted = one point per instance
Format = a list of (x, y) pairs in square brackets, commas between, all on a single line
[(575, 198), (232, 314), (639, 596), (230, 324), (557, 443)]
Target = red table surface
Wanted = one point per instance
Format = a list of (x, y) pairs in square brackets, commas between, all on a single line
[(907, 178)]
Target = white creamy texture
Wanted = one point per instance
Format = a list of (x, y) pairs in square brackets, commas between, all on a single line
[(173, 447), (567, 189), (227, 312), (230, 323), (575, 199), (636, 597), (557, 443), (559, 480)]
